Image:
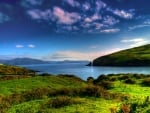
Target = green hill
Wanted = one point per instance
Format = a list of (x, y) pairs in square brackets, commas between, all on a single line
[(14, 70), (138, 56)]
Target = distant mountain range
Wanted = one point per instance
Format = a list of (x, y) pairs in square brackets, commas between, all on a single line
[(28, 61), (138, 56)]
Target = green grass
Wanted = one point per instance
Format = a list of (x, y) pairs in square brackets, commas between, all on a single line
[(134, 89), (89, 105), (10, 86)]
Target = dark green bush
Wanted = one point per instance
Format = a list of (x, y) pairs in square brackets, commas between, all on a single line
[(106, 84), (61, 101), (124, 77), (36, 93), (90, 79), (146, 82), (101, 78), (129, 81)]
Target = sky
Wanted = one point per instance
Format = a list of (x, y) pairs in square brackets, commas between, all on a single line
[(71, 29)]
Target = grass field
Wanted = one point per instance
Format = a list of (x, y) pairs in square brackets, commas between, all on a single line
[(81, 97)]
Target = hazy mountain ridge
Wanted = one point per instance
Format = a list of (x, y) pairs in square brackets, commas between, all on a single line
[(28, 61), (138, 56)]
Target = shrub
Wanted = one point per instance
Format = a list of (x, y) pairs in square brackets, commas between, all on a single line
[(70, 76), (138, 76), (45, 74), (101, 78), (123, 77), (113, 78), (64, 91), (90, 79), (61, 101), (124, 109), (36, 93), (146, 82), (106, 84), (130, 81), (113, 110)]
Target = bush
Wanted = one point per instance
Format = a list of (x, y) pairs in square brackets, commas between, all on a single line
[(124, 77), (146, 82), (130, 81), (90, 79), (70, 76), (106, 84), (124, 109), (36, 93), (61, 101), (101, 78), (92, 90), (113, 79), (45, 74)]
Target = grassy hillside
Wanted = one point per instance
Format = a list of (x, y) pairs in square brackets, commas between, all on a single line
[(122, 93), (138, 56), (13, 70), (69, 94)]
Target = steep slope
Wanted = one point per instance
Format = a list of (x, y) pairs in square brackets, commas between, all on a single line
[(138, 56)]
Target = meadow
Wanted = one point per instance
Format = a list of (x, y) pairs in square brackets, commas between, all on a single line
[(113, 93)]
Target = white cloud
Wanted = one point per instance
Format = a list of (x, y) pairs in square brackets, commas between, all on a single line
[(122, 13), (31, 46), (98, 25), (110, 30), (86, 6), (93, 18), (19, 46), (109, 20), (77, 55), (3, 18), (40, 15), (64, 17), (99, 5), (73, 3), (29, 3), (138, 26), (135, 42)]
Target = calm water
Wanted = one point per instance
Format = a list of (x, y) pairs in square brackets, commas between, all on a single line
[(79, 69)]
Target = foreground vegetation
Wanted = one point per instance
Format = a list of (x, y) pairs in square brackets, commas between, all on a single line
[(121, 93)]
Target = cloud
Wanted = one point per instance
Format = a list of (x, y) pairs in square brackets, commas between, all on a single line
[(73, 3), (30, 3), (146, 23), (122, 13), (98, 25), (86, 6), (110, 30), (77, 55), (99, 5), (109, 20), (19, 46), (3, 18), (31, 46), (135, 42), (64, 17), (92, 18), (40, 15), (138, 26)]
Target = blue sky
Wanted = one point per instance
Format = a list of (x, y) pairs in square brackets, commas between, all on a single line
[(71, 29)]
